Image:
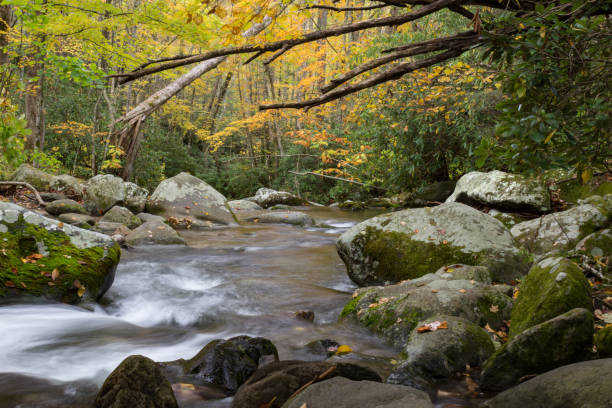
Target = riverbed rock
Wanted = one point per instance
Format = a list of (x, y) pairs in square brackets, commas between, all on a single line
[(137, 382), (565, 339), (31, 175), (135, 197), (187, 201), (563, 230), (274, 383), (79, 220), (266, 197), (432, 193), (480, 274), (244, 205), (83, 262), (598, 246), (340, 392), (394, 311), (107, 227), (581, 385), (552, 287), (67, 185), (410, 243), (154, 233), (443, 353), (225, 364), (103, 191), (503, 191), (58, 207), (508, 219), (146, 217), (122, 215), (284, 217)]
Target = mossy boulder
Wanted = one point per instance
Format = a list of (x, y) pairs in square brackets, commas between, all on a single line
[(353, 205), (565, 339), (31, 175), (394, 311), (443, 353), (190, 202), (561, 231), (58, 207), (154, 233), (411, 243), (103, 191), (273, 384), (123, 216), (503, 191), (46, 258), (225, 364), (68, 185), (137, 382), (603, 341), (480, 274), (552, 287), (284, 217), (340, 392), (266, 197), (579, 385)]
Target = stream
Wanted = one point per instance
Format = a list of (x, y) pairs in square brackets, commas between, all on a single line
[(167, 302)]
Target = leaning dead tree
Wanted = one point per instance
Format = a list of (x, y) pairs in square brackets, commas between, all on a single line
[(391, 66)]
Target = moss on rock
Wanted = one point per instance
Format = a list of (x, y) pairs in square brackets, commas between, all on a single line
[(552, 287), (603, 341)]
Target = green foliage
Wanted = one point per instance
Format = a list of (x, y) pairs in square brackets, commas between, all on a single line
[(556, 75)]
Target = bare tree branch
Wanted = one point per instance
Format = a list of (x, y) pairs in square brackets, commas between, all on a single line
[(30, 187), (343, 9)]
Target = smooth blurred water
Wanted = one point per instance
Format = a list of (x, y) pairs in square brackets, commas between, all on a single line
[(167, 302)]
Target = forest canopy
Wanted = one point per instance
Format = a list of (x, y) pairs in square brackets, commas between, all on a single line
[(391, 94)]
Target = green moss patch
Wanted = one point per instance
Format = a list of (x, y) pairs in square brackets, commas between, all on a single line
[(45, 263)]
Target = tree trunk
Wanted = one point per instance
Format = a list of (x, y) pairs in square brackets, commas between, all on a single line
[(215, 110), (6, 21), (34, 106)]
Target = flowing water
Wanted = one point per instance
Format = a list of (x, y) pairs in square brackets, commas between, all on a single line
[(167, 302)]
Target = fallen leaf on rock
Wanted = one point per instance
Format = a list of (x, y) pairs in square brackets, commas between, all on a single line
[(77, 283), (433, 326), (23, 284), (50, 283), (82, 262), (434, 291), (55, 274), (343, 349), (36, 256), (489, 329), (9, 284), (81, 291), (60, 224), (444, 242), (462, 290), (494, 308), (15, 271)]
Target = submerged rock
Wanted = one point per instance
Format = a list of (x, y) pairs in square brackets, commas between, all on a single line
[(580, 385), (266, 197), (225, 364), (274, 383), (410, 243), (284, 217), (123, 216), (442, 353), (48, 258), (394, 311), (552, 287), (187, 201), (31, 175), (340, 392), (154, 233), (58, 207), (562, 231), (137, 382), (502, 191), (562, 340)]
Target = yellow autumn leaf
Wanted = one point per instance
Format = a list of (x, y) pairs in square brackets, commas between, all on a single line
[(343, 349), (81, 291)]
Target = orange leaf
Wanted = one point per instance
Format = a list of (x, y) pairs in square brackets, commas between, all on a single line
[(9, 284), (55, 274)]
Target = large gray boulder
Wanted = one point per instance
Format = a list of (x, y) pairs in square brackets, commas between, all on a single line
[(503, 191), (154, 233), (266, 197), (31, 175), (394, 311), (225, 364), (562, 231), (103, 191), (122, 215), (68, 185), (410, 243), (340, 392), (46, 258), (284, 217), (443, 353), (185, 200), (565, 339), (135, 197), (137, 382), (552, 287), (581, 385)]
